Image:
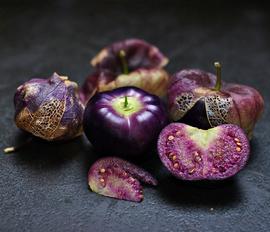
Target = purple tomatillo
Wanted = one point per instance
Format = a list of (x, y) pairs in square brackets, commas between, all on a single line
[(125, 121), (202, 100), (131, 62), (49, 108)]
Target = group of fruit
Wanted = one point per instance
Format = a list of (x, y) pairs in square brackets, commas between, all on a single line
[(125, 107)]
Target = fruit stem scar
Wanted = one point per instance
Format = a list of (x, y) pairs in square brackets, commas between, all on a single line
[(122, 56), (218, 73)]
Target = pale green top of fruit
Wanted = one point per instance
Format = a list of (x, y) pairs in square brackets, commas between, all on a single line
[(126, 105)]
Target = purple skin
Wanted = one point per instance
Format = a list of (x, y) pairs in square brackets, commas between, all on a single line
[(190, 153), (94, 83), (49, 108), (139, 54), (130, 130), (131, 62), (117, 178), (194, 98)]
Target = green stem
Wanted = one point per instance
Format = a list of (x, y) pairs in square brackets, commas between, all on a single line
[(218, 73), (122, 56), (126, 102)]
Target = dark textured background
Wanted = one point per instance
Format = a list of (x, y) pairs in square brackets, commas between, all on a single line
[(44, 187)]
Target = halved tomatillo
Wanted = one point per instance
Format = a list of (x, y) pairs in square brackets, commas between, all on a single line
[(190, 153)]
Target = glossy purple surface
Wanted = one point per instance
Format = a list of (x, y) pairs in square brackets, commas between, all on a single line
[(129, 136)]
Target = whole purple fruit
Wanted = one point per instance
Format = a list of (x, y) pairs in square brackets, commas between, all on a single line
[(117, 178), (200, 99), (49, 108), (125, 121), (190, 153), (130, 62)]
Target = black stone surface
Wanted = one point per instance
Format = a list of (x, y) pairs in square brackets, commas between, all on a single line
[(44, 186)]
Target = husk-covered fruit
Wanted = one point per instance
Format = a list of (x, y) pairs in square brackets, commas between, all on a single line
[(130, 62), (49, 108), (200, 99)]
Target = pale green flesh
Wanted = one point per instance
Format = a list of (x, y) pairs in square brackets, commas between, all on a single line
[(134, 105), (202, 137)]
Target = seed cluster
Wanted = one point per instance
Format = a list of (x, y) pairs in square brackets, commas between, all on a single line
[(102, 171), (171, 155), (120, 173), (238, 144), (224, 164)]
